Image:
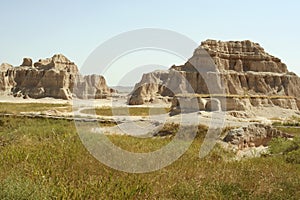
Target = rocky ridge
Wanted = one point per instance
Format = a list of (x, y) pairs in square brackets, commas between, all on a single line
[(241, 71), (55, 77)]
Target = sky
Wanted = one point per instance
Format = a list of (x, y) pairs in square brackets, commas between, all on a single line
[(75, 28)]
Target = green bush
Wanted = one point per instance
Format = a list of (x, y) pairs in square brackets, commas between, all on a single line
[(293, 157), (290, 149)]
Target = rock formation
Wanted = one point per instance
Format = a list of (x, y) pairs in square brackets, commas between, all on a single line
[(27, 62), (55, 77), (6, 81), (253, 135), (92, 87), (241, 71)]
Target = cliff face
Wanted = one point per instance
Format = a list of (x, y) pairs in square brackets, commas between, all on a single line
[(240, 68), (242, 56), (91, 86), (52, 77), (246, 68)]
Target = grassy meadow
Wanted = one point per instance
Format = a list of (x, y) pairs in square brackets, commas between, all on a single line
[(125, 111), (45, 159), (17, 108)]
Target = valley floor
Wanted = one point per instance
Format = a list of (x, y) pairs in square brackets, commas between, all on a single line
[(42, 156), (45, 159)]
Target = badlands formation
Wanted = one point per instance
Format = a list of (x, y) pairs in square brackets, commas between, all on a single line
[(238, 77), (228, 76), (55, 77)]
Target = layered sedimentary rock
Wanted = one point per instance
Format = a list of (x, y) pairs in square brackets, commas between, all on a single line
[(231, 103), (27, 62), (6, 80), (253, 135), (92, 86), (55, 77), (239, 70)]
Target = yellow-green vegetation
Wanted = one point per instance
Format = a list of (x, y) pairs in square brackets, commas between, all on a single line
[(45, 159), (290, 149), (127, 111), (291, 125), (291, 130), (245, 96), (16, 108)]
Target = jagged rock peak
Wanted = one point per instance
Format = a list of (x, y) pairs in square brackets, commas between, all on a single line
[(58, 61), (240, 56), (5, 66), (27, 62), (51, 77), (232, 47)]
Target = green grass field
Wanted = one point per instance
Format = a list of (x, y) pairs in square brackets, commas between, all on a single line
[(291, 126), (127, 111), (16, 108), (45, 159)]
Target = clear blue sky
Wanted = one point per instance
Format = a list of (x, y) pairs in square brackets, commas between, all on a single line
[(41, 28)]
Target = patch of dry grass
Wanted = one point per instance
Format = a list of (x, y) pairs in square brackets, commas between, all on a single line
[(127, 111), (246, 96), (17, 108)]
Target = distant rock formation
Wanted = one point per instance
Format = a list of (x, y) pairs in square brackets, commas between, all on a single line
[(239, 70), (91, 87), (6, 81), (55, 77)]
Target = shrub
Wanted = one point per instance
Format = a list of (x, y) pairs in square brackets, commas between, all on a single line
[(293, 157), (290, 149)]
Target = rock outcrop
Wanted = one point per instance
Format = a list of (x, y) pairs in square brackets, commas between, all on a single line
[(242, 56), (253, 135), (55, 77), (232, 103), (27, 62), (6, 80), (92, 87), (239, 70), (5, 66)]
